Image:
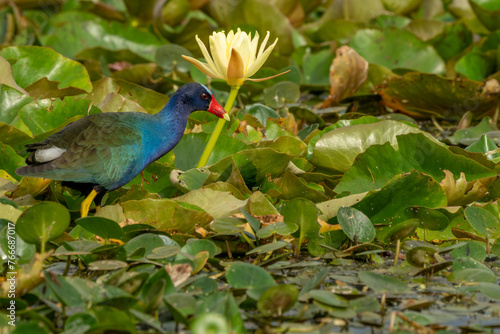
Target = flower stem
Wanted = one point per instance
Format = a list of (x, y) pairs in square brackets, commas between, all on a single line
[(218, 128)]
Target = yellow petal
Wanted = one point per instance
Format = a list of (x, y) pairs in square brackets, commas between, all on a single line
[(235, 69), (202, 67), (253, 49), (263, 45), (218, 50), (244, 50), (260, 60), (208, 58)]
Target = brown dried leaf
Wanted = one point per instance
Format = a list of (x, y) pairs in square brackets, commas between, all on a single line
[(179, 273), (347, 73)]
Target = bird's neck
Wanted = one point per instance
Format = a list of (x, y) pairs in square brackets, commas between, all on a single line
[(167, 129)]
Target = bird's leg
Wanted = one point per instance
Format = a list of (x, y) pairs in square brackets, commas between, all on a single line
[(84, 209)]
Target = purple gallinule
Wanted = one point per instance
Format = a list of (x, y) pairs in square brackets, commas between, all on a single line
[(108, 150)]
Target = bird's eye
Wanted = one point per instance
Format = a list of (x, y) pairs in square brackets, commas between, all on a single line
[(204, 96)]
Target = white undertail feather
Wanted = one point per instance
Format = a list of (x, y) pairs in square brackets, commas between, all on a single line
[(48, 154)]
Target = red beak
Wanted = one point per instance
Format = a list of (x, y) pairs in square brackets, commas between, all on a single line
[(216, 109)]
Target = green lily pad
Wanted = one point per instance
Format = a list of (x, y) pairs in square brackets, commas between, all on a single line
[(483, 222), (149, 242), (490, 290), (192, 179), (395, 48), (278, 299), (429, 218), (487, 11), (383, 283), (13, 136), (454, 39), (107, 265), (425, 29), (166, 214), (421, 256), (472, 275), (10, 161), (316, 67), (356, 225), (279, 228), (304, 214), (484, 145), (248, 276), (34, 63), (77, 31), (401, 7), (73, 291), (265, 17), (108, 316), (328, 298), (472, 249), (216, 203), (476, 64), (169, 58), (287, 144), (228, 225), (403, 230), (469, 135), (388, 205), (271, 247), (332, 240), (12, 102), (103, 227), (261, 112), (337, 149), (80, 322), (194, 246), (6, 76), (149, 100), (163, 252), (374, 167), (42, 222), (44, 116), (23, 252), (189, 150), (293, 186), (282, 93)]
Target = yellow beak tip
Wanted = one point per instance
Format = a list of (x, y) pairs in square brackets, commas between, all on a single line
[(226, 117)]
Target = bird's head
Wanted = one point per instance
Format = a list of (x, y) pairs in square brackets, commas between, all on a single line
[(198, 97)]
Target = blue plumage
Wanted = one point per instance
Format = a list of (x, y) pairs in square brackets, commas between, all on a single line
[(108, 150)]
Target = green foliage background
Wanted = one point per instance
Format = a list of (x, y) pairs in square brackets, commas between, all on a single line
[(295, 223)]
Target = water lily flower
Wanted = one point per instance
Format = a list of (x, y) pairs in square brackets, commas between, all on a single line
[(234, 58)]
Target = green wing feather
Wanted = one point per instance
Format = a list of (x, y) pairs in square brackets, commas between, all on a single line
[(99, 149)]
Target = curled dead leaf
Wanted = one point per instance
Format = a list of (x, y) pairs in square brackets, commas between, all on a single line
[(347, 73), (461, 192)]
